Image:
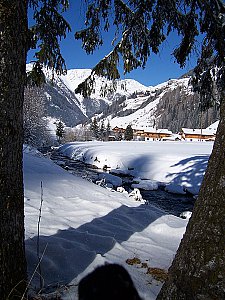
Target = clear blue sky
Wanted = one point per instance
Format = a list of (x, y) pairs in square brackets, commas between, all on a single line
[(158, 69)]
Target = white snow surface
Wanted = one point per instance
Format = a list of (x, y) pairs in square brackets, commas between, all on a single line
[(84, 225)]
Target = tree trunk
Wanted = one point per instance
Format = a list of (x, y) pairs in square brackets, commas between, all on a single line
[(13, 50), (198, 270)]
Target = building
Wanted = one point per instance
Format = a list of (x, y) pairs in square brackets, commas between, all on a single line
[(188, 134)]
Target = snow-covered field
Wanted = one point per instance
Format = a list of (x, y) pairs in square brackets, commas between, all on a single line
[(84, 225)]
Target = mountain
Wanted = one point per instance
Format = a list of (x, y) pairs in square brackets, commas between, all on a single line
[(171, 104)]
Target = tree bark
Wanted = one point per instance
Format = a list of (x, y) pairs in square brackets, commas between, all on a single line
[(13, 50), (198, 270)]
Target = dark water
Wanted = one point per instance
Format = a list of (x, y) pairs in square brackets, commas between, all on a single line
[(171, 203)]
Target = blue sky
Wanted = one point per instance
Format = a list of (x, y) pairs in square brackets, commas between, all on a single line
[(158, 69)]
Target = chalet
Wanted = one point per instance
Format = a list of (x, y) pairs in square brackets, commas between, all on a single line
[(188, 134), (118, 129), (151, 134)]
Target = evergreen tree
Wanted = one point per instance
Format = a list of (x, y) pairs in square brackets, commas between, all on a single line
[(108, 130), (95, 128), (128, 134), (60, 131), (16, 40), (102, 131)]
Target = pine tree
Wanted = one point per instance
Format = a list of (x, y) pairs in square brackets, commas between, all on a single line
[(60, 131), (128, 134), (102, 131), (108, 130), (16, 40), (95, 128)]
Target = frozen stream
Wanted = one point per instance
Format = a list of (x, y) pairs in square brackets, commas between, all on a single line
[(171, 203)]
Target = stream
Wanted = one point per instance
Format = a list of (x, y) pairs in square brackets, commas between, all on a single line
[(171, 203)]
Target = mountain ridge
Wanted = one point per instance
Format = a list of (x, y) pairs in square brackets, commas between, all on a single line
[(167, 105)]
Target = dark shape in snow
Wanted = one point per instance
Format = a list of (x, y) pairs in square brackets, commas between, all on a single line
[(110, 282)]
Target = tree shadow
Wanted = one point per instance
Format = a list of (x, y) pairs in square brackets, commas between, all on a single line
[(190, 174), (69, 252)]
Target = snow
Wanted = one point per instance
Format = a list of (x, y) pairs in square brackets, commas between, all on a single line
[(186, 214), (179, 165), (213, 127), (76, 76), (109, 178), (84, 225), (198, 131), (148, 185)]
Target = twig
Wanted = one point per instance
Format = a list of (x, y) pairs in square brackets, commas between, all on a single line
[(35, 271), (38, 239)]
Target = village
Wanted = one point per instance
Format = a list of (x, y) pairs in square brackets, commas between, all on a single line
[(141, 133)]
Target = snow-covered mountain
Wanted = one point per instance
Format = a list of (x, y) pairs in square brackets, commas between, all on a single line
[(171, 104)]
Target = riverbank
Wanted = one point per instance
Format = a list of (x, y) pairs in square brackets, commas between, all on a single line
[(148, 191)]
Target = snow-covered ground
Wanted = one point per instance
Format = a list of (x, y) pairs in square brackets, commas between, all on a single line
[(84, 225)]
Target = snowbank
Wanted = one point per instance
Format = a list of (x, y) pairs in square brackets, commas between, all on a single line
[(178, 165)]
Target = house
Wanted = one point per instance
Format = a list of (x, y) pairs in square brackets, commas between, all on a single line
[(197, 134), (164, 134), (153, 134)]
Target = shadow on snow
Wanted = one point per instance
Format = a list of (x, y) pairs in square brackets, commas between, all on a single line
[(193, 170), (69, 252)]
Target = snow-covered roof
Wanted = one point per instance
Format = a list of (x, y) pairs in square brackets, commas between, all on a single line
[(213, 126), (150, 129), (198, 131), (165, 131)]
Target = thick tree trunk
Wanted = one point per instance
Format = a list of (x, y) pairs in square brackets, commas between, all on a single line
[(198, 270), (13, 32)]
